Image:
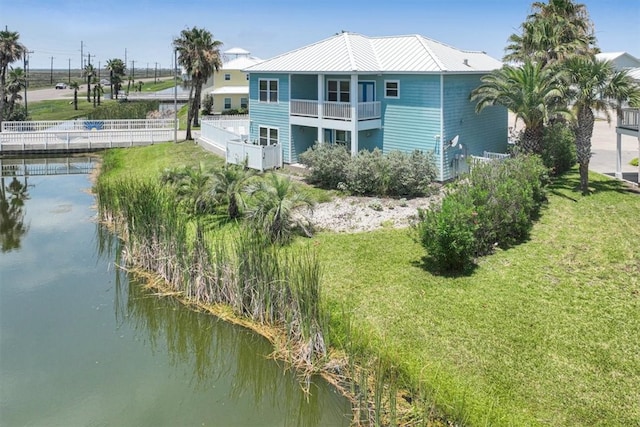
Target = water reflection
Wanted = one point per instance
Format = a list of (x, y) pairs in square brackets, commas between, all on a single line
[(12, 213), (213, 353)]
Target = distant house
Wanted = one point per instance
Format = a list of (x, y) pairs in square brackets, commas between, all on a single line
[(393, 93), (230, 84), (620, 60)]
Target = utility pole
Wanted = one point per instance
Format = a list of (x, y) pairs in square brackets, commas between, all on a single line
[(81, 58), (133, 69), (147, 73), (69, 70), (125, 56), (25, 58), (155, 74), (51, 75)]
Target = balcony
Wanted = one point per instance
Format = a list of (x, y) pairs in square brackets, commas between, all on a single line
[(629, 122), (335, 110)]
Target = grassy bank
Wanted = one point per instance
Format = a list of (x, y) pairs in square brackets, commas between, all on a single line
[(541, 334)]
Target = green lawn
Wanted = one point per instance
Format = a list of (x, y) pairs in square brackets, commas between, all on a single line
[(545, 333), (61, 109)]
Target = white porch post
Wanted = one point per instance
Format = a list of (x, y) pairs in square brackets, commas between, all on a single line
[(353, 96), (320, 107), (619, 149)]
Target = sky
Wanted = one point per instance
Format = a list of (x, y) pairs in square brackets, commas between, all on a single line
[(142, 31)]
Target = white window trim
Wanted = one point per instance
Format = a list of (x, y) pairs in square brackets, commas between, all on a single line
[(268, 101), (227, 75), (339, 92), (230, 103), (397, 82), (269, 129)]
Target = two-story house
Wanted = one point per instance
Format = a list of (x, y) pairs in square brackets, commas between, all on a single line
[(392, 93), (231, 84)]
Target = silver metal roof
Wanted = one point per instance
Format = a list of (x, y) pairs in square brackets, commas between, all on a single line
[(349, 52)]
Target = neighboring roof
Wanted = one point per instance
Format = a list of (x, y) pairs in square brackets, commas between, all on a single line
[(240, 63), (350, 52), (623, 58), (634, 73), (236, 51), (231, 90)]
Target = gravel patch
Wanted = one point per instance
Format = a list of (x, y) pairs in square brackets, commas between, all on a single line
[(358, 214)]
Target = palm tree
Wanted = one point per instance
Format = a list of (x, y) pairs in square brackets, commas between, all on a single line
[(534, 94), (117, 70), (273, 203), (10, 51), (553, 32), (199, 54), (75, 86), (229, 187), (89, 72), (16, 84), (595, 86)]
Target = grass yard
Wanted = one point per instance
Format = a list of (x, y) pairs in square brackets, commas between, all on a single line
[(545, 333), (61, 109)]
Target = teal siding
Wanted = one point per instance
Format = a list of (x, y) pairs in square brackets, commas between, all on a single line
[(304, 86), (270, 114), (370, 139), (302, 138), (486, 131), (412, 121)]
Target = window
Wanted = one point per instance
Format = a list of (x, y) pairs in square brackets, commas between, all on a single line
[(227, 76), (392, 89), (268, 90), (244, 102), (227, 103), (342, 138), (338, 90), (268, 136)]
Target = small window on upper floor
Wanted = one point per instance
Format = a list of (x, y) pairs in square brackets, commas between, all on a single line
[(392, 89), (268, 90), (227, 76)]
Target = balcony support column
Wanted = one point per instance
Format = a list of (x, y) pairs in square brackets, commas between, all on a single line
[(320, 107), (353, 96)]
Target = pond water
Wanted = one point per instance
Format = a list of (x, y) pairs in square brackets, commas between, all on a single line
[(83, 344)]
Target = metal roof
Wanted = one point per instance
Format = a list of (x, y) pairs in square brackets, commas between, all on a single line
[(240, 63), (350, 52)]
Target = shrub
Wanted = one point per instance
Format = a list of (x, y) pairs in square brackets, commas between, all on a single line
[(558, 148), (370, 172), (327, 164), (123, 110), (448, 231), (366, 173), (498, 201), (634, 162), (409, 174), (507, 195), (207, 104)]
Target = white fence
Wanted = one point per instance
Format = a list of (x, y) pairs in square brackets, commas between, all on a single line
[(231, 136), (80, 135), (489, 156)]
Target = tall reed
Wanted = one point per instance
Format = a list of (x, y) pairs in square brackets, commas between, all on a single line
[(268, 284)]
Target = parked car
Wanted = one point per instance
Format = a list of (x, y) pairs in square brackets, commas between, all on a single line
[(105, 82), (61, 85)]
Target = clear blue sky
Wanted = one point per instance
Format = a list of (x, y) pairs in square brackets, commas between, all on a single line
[(146, 28)]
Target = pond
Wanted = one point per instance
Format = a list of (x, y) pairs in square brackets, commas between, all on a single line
[(82, 343)]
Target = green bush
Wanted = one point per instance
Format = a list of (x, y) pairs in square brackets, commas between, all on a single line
[(409, 174), (558, 148), (327, 164), (499, 200), (207, 104), (634, 162), (370, 172), (366, 173), (507, 195), (448, 231), (235, 111)]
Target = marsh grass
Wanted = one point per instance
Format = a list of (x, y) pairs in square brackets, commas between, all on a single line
[(262, 282)]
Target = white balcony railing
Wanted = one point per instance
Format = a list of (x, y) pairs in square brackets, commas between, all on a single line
[(630, 118), (335, 110)]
